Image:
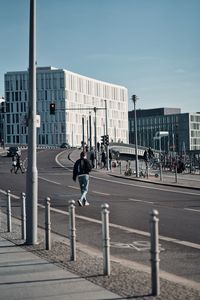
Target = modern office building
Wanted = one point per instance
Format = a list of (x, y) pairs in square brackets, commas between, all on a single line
[(183, 129), (80, 103)]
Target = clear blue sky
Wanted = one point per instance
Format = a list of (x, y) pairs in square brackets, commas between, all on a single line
[(152, 47)]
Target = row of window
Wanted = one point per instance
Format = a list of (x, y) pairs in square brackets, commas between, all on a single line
[(195, 118), (44, 81), (156, 120), (93, 87), (195, 133)]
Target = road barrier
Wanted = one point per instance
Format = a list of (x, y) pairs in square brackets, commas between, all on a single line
[(72, 230), (23, 215), (106, 238), (155, 280), (9, 214), (47, 224)]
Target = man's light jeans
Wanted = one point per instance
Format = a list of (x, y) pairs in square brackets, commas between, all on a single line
[(84, 183)]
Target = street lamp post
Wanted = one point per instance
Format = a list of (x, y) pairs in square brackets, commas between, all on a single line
[(95, 133), (134, 98), (32, 174)]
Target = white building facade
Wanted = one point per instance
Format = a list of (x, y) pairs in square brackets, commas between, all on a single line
[(79, 102)]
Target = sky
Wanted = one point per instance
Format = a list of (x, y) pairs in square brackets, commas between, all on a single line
[(152, 47)]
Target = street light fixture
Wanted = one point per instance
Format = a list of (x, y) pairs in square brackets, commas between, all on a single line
[(134, 98)]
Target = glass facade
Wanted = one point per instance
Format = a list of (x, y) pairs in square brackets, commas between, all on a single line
[(183, 129)]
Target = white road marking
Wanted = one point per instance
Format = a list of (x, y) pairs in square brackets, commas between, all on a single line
[(12, 195), (142, 201), (137, 245), (73, 187), (192, 209), (100, 193), (45, 179)]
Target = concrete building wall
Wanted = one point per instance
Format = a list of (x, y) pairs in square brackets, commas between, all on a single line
[(75, 97)]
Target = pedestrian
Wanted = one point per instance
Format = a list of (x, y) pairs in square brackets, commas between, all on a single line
[(92, 157), (103, 159), (19, 164), (82, 168), (2, 143), (14, 164), (110, 159)]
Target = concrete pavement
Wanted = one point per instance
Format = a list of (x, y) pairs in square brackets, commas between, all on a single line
[(24, 275)]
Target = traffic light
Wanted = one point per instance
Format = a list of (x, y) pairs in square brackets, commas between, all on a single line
[(103, 139), (107, 139), (52, 108)]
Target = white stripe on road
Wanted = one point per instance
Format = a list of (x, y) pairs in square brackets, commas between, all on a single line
[(100, 193), (51, 181), (12, 195), (73, 187), (192, 209), (142, 201)]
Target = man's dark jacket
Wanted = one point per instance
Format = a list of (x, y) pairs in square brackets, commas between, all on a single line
[(81, 166)]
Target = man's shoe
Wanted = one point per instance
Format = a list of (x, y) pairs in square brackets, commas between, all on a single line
[(86, 203), (80, 203)]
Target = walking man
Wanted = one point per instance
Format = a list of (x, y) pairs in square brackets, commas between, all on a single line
[(19, 165), (82, 168), (14, 164)]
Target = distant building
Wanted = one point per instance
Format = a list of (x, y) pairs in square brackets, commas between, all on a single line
[(75, 98), (183, 129)]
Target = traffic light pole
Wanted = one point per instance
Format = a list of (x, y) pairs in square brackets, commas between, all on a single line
[(107, 149)]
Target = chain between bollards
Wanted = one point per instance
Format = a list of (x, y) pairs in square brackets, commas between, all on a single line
[(47, 223), (106, 238), (155, 280), (72, 230), (9, 221), (23, 215)]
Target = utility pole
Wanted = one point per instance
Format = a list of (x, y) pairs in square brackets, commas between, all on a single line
[(32, 174), (134, 98), (95, 133)]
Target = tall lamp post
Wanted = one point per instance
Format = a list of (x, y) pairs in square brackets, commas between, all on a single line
[(134, 98), (32, 174)]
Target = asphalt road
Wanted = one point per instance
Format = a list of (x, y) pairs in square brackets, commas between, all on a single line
[(130, 206)]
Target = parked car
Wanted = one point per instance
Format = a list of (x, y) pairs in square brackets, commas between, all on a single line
[(65, 145), (12, 151)]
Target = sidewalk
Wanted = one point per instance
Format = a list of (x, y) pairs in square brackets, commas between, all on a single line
[(24, 275)]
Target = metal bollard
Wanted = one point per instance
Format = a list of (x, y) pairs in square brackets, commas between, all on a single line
[(176, 175), (106, 238), (9, 221), (72, 230), (155, 280), (161, 177), (23, 215), (47, 224)]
